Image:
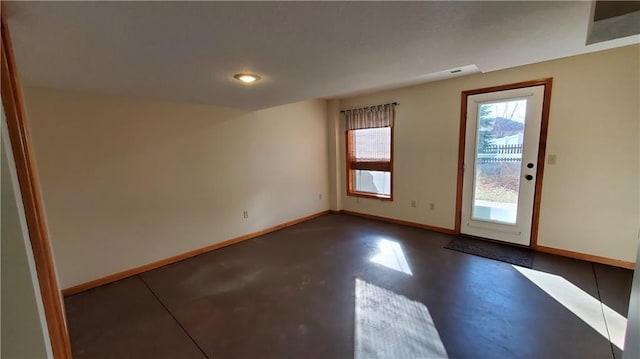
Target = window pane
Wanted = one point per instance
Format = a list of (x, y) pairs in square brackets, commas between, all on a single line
[(498, 161), (372, 144), (377, 182)]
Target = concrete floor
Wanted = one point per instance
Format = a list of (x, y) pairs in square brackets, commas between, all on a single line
[(291, 294)]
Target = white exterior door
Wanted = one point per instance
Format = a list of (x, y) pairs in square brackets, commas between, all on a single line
[(500, 163)]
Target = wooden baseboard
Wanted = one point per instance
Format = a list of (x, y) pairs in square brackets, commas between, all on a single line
[(133, 271), (147, 267), (550, 250), (586, 257), (401, 222)]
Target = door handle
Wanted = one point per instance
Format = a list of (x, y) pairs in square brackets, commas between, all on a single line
[(528, 177)]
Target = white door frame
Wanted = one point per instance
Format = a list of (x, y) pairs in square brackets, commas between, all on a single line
[(547, 83)]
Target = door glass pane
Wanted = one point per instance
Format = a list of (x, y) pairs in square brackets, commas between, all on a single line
[(378, 182), (498, 161)]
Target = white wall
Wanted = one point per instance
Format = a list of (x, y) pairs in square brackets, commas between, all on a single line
[(589, 198), (24, 329), (128, 182), (632, 344)]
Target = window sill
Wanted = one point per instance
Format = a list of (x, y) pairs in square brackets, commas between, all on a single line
[(370, 195)]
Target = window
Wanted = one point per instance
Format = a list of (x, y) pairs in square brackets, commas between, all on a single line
[(369, 152)]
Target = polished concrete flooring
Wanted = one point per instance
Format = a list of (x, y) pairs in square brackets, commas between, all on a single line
[(290, 294)]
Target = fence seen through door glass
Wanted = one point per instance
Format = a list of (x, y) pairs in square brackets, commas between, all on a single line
[(498, 161)]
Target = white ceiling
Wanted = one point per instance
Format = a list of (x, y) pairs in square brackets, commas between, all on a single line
[(189, 51)]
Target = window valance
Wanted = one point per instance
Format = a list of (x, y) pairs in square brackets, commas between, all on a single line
[(370, 117)]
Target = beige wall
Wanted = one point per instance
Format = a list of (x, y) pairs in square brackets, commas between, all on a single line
[(24, 329), (127, 182), (590, 197), (335, 130)]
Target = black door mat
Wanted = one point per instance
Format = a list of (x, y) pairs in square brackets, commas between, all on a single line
[(496, 251)]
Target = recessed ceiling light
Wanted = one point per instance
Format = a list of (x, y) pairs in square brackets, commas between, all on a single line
[(246, 77)]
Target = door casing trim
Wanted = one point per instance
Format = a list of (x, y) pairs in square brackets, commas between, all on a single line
[(546, 103), (20, 139)]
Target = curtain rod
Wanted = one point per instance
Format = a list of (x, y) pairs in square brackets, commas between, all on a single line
[(360, 108)]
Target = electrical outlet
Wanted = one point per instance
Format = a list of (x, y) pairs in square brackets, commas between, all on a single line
[(413, 203), (245, 214), (432, 206)]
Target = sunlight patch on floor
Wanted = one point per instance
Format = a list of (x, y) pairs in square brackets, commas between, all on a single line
[(390, 255), (587, 308), (389, 325)]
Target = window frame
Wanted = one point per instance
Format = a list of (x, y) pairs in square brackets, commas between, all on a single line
[(374, 166)]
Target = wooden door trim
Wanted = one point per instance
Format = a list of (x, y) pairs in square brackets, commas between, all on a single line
[(542, 146), (30, 191)]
